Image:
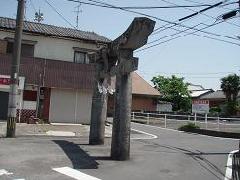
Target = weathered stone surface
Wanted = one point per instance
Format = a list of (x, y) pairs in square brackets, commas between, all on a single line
[(117, 59)]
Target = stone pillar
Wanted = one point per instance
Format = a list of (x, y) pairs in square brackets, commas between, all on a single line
[(98, 115), (120, 149)]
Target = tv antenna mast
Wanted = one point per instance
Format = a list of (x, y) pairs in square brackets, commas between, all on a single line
[(78, 11), (38, 16)]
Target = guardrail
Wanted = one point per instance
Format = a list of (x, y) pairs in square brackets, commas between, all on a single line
[(204, 121)]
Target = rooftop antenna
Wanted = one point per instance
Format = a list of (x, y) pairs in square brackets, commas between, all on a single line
[(25, 11), (78, 11), (38, 16)]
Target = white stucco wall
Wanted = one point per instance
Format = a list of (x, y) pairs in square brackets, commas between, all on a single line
[(53, 48), (70, 106)]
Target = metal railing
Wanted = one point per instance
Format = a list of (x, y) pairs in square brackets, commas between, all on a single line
[(175, 121)]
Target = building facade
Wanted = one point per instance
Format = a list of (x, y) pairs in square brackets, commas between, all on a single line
[(58, 71)]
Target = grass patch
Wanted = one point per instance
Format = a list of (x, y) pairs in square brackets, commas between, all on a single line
[(188, 127)]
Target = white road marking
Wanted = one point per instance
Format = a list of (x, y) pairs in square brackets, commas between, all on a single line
[(152, 135), (73, 173), (60, 133), (66, 124), (4, 172), (157, 127), (228, 174)]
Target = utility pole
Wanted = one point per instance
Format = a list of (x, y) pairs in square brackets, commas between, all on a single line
[(12, 103)]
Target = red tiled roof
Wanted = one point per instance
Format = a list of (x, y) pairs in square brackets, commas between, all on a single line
[(142, 87), (139, 86)]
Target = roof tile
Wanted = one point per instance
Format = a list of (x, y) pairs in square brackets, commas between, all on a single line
[(45, 29)]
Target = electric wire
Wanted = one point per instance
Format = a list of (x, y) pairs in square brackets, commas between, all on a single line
[(140, 7), (33, 6), (165, 28), (162, 42), (222, 7), (191, 73), (188, 75), (201, 13), (54, 9), (177, 24), (147, 15), (197, 30), (193, 33)]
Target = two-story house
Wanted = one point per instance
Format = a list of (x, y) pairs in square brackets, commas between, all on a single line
[(57, 70)]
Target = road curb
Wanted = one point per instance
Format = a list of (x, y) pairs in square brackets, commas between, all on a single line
[(214, 133)]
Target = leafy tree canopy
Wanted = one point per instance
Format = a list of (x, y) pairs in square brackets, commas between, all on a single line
[(230, 86), (175, 90)]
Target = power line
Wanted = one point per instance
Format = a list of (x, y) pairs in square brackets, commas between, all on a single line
[(53, 8), (190, 73), (188, 17), (181, 31), (187, 35), (140, 7), (197, 30), (33, 6), (163, 37), (201, 12), (170, 38), (192, 1), (147, 15), (222, 40)]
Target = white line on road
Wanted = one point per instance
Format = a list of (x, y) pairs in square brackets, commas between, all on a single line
[(228, 174), (157, 127), (73, 173), (152, 136), (60, 133), (4, 172)]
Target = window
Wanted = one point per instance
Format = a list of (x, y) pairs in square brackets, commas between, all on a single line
[(81, 57), (26, 51)]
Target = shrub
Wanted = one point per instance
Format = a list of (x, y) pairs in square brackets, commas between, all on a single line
[(215, 109), (189, 126)]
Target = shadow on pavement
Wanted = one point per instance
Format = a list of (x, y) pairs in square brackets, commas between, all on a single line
[(198, 156), (79, 158)]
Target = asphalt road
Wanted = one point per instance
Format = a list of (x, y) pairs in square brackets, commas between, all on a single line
[(172, 156)]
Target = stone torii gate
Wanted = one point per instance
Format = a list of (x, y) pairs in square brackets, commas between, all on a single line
[(117, 60)]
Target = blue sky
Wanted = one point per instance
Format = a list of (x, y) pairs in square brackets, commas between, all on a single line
[(199, 59)]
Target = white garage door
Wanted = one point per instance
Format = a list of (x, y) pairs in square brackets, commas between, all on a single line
[(70, 106)]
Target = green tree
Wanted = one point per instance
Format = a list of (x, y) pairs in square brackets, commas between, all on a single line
[(230, 85), (174, 90)]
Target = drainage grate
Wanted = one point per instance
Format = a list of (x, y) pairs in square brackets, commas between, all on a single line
[(236, 166)]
